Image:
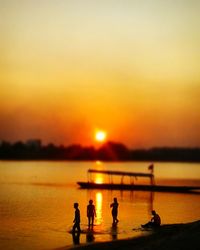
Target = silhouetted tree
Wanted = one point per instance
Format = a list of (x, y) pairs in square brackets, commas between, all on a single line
[(109, 151), (113, 152)]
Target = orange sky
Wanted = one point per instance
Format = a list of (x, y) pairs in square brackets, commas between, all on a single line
[(130, 68)]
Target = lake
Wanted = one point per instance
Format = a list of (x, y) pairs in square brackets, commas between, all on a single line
[(37, 197)]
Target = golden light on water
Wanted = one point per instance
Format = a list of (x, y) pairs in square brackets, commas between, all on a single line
[(99, 200), (98, 178), (98, 163)]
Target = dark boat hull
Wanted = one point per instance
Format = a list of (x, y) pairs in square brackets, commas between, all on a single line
[(155, 188)]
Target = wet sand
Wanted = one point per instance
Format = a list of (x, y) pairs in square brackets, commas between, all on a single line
[(167, 237)]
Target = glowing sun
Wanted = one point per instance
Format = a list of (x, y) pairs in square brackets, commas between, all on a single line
[(100, 136)]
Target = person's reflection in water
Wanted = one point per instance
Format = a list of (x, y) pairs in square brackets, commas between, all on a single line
[(76, 237), (90, 236), (114, 232)]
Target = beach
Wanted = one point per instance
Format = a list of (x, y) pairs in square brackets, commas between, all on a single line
[(171, 236)]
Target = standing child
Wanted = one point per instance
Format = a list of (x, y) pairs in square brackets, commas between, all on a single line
[(114, 206), (91, 212), (77, 219)]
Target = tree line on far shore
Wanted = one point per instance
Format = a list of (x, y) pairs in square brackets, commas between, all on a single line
[(110, 151)]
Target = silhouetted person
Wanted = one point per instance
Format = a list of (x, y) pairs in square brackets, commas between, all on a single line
[(77, 219), (91, 212), (114, 206), (155, 221)]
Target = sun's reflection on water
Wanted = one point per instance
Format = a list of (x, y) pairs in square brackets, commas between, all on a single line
[(98, 179), (99, 200)]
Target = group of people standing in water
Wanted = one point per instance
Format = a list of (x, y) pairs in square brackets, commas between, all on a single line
[(91, 214)]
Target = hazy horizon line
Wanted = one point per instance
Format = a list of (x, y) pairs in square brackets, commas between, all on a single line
[(95, 145)]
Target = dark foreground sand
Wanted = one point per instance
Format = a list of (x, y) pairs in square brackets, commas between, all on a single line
[(167, 237)]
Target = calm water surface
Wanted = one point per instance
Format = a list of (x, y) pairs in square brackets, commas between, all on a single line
[(36, 202)]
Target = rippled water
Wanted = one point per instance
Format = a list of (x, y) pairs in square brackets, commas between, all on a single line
[(36, 202)]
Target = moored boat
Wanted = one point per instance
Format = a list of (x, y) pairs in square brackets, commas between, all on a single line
[(90, 184)]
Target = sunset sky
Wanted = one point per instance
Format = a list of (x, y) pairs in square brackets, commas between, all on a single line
[(129, 67)]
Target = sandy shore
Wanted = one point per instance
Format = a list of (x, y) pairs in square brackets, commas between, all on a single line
[(168, 237)]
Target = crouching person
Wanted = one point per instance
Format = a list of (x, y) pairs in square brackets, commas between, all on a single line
[(155, 221)]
